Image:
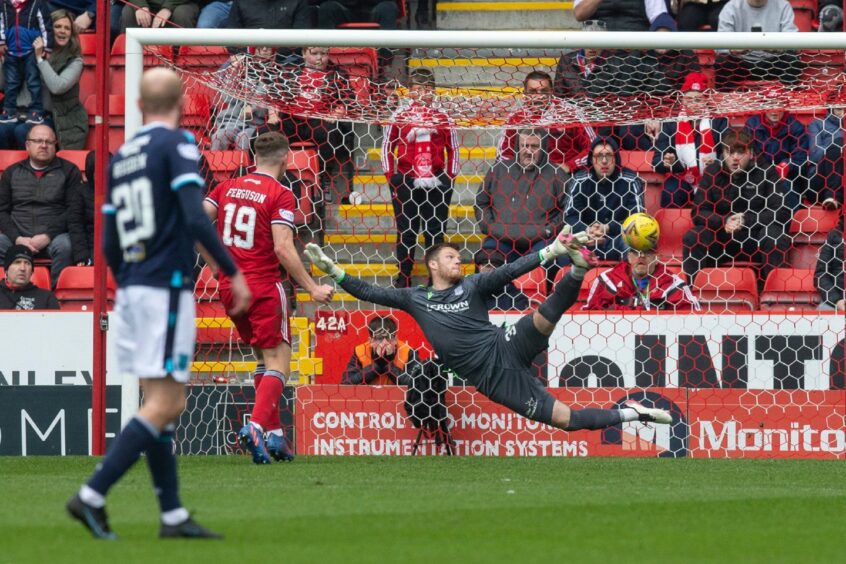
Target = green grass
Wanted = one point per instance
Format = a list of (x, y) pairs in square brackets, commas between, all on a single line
[(441, 510)]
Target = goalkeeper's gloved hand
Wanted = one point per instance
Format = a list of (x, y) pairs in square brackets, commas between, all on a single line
[(565, 244), (318, 258)]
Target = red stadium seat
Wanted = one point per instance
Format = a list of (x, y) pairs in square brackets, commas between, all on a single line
[(8, 157), (212, 325), (356, 61), (210, 58), (153, 56), (225, 164), (674, 224), (533, 285), (306, 165), (41, 277), (812, 224), (727, 289), (116, 121), (75, 288), (804, 13), (790, 289), (76, 157)]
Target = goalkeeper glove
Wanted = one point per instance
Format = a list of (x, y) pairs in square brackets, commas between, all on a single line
[(566, 244), (318, 258)]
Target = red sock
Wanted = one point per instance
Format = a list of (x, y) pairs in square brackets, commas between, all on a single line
[(266, 410)]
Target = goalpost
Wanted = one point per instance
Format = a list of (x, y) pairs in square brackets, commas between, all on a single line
[(746, 377)]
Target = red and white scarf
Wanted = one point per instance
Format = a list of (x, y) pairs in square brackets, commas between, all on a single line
[(419, 141), (686, 149)]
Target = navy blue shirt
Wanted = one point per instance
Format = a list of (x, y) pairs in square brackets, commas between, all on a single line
[(154, 225)]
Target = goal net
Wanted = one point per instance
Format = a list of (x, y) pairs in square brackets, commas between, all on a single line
[(734, 146)]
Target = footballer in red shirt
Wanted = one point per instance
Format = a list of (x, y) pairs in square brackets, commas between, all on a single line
[(255, 219)]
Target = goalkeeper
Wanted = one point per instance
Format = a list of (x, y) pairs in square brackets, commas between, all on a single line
[(453, 315)]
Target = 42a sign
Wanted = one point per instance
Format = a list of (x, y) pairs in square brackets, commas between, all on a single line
[(337, 322)]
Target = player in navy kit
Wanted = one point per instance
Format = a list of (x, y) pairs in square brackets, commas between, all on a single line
[(452, 312), (153, 215), (255, 218)]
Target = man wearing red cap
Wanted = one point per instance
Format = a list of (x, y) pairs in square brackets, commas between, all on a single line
[(684, 148)]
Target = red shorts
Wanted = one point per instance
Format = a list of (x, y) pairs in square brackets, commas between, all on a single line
[(265, 325)]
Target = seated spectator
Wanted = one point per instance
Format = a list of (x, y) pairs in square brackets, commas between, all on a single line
[(21, 23), (81, 217), (420, 163), (781, 139), (332, 13), (83, 13), (61, 74), (519, 205), (382, 360), (239, 122), (739, 212), (566, 147), (683, 149), (511, 298), (214, 14), (17, 291), (632, 15), (160, 13), (735, 67), (826, 143), (640, 283), (35, 195), (601, 197), (317, 87), (694, 14), (828, 275)]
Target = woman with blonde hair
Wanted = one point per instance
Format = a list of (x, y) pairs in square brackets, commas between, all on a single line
[(60, 72)]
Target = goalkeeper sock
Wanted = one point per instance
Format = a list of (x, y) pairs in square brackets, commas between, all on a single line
[(135, 438), (162, 464), (564, 295), (593, 419), (266, 410)]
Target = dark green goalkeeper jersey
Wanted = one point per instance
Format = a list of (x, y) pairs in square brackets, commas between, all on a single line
[(454, 320)]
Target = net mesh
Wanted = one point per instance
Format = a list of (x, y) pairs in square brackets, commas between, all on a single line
[(741, 164)]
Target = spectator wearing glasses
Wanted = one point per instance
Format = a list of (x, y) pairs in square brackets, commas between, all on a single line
[(35, 195), (601, 197)]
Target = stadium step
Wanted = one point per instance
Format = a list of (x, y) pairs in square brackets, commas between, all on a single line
[(506, 15), (379, 247), (483, 71)]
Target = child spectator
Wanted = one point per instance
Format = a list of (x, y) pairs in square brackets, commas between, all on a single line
[(21, 23), (316, 87), (61, 74), (420, 159), (683, 149), (240, 122)]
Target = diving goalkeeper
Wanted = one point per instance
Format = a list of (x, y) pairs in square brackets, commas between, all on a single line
[(453, 315)]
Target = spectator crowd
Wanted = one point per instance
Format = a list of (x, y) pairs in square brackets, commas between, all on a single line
[(742, 185)]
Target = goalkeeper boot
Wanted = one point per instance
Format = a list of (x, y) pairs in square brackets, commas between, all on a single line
[(279, 448), (251, 440), (188, 529), (648, 414), (94, 518)]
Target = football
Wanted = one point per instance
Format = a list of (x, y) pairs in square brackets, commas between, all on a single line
[(641, 231)]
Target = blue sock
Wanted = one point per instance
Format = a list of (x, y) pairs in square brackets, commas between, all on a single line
[(162, 464), (135, 438)]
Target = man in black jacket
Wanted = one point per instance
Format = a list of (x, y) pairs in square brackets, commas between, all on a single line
[(35, 195), (271, 14), (828, 275), (16, 290), (81, 217), (739, 211)]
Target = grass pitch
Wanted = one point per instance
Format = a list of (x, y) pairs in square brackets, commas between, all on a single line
[(442, 510)]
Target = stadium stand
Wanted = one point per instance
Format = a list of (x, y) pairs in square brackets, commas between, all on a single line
[(727, 289)]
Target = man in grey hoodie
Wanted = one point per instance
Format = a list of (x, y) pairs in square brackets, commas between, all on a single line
[(520, 204)]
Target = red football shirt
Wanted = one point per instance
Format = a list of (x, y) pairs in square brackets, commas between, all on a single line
[(246, 209)]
